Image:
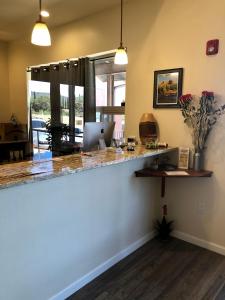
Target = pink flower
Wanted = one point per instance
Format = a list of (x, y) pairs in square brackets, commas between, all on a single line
[(185, 98), (207, 94)]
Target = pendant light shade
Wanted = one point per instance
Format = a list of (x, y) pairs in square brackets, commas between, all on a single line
[(121, 57), (40, 34)]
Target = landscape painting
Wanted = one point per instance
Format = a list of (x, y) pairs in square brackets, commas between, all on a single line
[(167, 88)]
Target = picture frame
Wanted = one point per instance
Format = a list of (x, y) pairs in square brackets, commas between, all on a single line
[(167, 88), (183, 158)]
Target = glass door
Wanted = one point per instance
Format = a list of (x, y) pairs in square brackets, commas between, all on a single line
[(39, 95), (72, 111)]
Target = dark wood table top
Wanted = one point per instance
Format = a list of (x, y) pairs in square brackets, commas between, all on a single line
[(13, 142), (147, 172)]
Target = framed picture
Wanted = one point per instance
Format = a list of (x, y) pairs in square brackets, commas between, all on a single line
[(167, 88), (183, 159)]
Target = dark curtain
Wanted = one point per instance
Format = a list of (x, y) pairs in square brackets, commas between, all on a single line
[(81, 73), (89, 91), (41, 74), (29, 149), (73, 73), (54, 94)]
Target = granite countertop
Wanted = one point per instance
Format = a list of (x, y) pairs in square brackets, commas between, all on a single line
[(32, 171)]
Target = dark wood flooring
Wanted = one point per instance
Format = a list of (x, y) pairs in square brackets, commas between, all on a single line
[(172, 270)]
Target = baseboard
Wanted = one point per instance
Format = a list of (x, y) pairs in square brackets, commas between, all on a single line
[(199, 242), (75, 286)]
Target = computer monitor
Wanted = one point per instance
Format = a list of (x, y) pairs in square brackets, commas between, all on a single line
[(93, 131)]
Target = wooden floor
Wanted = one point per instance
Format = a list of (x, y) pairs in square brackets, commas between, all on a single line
[(173, 270)]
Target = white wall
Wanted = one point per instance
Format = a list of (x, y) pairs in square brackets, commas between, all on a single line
[(55, 231)]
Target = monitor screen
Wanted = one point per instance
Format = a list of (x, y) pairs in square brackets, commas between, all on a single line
[(93, 131)]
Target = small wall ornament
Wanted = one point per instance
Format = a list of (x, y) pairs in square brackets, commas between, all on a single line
[(212, 47)]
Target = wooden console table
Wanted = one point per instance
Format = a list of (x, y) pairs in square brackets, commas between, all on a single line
[(165, 174), (12, 146)]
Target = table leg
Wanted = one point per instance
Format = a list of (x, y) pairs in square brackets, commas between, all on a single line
[(163, 186)]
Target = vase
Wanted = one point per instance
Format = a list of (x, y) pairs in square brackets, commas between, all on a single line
[(198, 161), (148, 128)]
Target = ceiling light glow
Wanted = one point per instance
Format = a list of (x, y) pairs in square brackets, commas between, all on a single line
[(45, 13)]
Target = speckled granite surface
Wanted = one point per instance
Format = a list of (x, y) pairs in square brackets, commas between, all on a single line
[(32, 171)]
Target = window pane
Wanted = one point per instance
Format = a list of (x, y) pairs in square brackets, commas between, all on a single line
[(72, 108), (79, 113), (101, 90), (98, 116), (39, 95), (119, 88), (110, 91), (64, 104)]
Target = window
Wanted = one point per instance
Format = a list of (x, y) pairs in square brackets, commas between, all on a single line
[(39, 93), (72, 108), (65, 86), (110, 81), (71, 113)]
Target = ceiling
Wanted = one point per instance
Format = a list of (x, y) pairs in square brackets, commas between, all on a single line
[(18, 16)]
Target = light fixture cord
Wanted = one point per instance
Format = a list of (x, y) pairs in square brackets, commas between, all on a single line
[(40, 8), (121, 24)]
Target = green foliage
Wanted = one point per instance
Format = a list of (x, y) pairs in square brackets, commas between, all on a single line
[(64, 112), (58, 138), (79, 108), (41, 103)]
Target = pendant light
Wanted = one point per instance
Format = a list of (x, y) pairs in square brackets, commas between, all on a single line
[(121, 53), (40, 34)]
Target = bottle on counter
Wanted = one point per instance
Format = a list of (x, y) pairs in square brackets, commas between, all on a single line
[(101, 141), (131, 143)]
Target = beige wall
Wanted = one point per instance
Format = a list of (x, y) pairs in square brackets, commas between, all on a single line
[(4, 83), (177, 38), (159, 34)]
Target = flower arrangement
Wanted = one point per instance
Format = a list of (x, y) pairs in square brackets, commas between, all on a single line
[(200, 116)]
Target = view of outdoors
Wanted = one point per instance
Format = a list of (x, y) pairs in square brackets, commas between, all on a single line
[(111, 91), (39, 93), (78, 106)]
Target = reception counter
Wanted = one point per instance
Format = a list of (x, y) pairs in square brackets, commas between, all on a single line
[(65, 221), (33, 171)]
